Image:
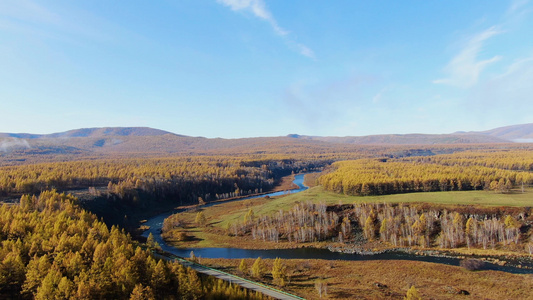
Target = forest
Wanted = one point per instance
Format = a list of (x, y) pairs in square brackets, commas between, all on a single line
[(184, 178), (491, 170), (52, 249)]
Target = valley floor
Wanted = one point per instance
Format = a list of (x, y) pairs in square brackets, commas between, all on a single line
[(391, 279)]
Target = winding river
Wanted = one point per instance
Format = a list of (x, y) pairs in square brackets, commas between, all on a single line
[(156, 224)]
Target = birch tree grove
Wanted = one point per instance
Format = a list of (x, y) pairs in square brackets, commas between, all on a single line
[(400, 225), (403, 225), (305, 222)]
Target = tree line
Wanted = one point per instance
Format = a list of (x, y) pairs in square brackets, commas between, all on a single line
[(184, 178), (455, 172)]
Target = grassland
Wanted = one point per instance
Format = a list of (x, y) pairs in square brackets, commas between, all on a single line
[(391, 279), (221, 216), (318, 194)]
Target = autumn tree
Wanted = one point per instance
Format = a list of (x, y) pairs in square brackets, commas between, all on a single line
[(258, 269), (412, 294), (200, 219), (321, 287), (243, 267), (141, 292), (279, 272), (151, 242)]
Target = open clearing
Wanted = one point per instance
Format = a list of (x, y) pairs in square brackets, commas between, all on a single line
[(318, 194), (391, 279), (221, 216)]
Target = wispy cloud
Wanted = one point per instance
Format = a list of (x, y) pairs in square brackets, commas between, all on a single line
[(465, 68), (326, 103), (259, 9), (516, 7), (27, 11), (378, 97), (506, 94)]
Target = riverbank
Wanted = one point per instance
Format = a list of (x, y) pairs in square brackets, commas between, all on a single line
[(390, 279), (220, 217), (495, 257)]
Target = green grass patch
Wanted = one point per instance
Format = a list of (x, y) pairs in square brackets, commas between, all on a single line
[(318, 194), (221, 215)]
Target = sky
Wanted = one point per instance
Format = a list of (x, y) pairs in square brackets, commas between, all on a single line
[(246, 68)]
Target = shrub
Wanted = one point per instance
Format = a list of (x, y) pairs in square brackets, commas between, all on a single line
[(472, 264)]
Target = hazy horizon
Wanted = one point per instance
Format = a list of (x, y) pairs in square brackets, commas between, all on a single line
[(272, 136)]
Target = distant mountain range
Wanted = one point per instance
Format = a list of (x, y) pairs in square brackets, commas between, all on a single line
[(143, 140), (92, 132), (515, 133)]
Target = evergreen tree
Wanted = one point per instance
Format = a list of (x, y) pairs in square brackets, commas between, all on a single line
[(258, 268), (200, 219), (142, 293), (243, 267), (279, 272), (412, 294)]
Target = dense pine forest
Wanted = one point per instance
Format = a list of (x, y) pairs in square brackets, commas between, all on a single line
[(186, 178), (490, 170), (52, 249)]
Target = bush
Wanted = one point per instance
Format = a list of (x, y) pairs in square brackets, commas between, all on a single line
[(472, 264)]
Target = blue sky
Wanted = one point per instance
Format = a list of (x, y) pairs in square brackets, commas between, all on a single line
[(243, 68)]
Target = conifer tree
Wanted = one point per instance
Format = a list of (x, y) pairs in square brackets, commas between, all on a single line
[(412, 294), (258, 268), (279, 272), (200, 219), (142, 293), (243, 267)]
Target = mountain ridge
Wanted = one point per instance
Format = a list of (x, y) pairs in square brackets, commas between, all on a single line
[(93, 132), (506, 133), (515, 133), (146, 141)]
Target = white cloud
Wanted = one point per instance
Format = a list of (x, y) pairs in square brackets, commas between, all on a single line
[(259, 9), (377, 98), (465, 68), (28, 11), (518, 66), (505, 98), (516, 5), (302, 49)]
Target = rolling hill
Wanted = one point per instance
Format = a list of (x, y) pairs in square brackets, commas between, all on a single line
[(92, 132), (516, 133), (144, 141), (411, 139)]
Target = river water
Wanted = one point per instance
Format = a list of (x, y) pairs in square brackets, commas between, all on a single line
[(156, 224)]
